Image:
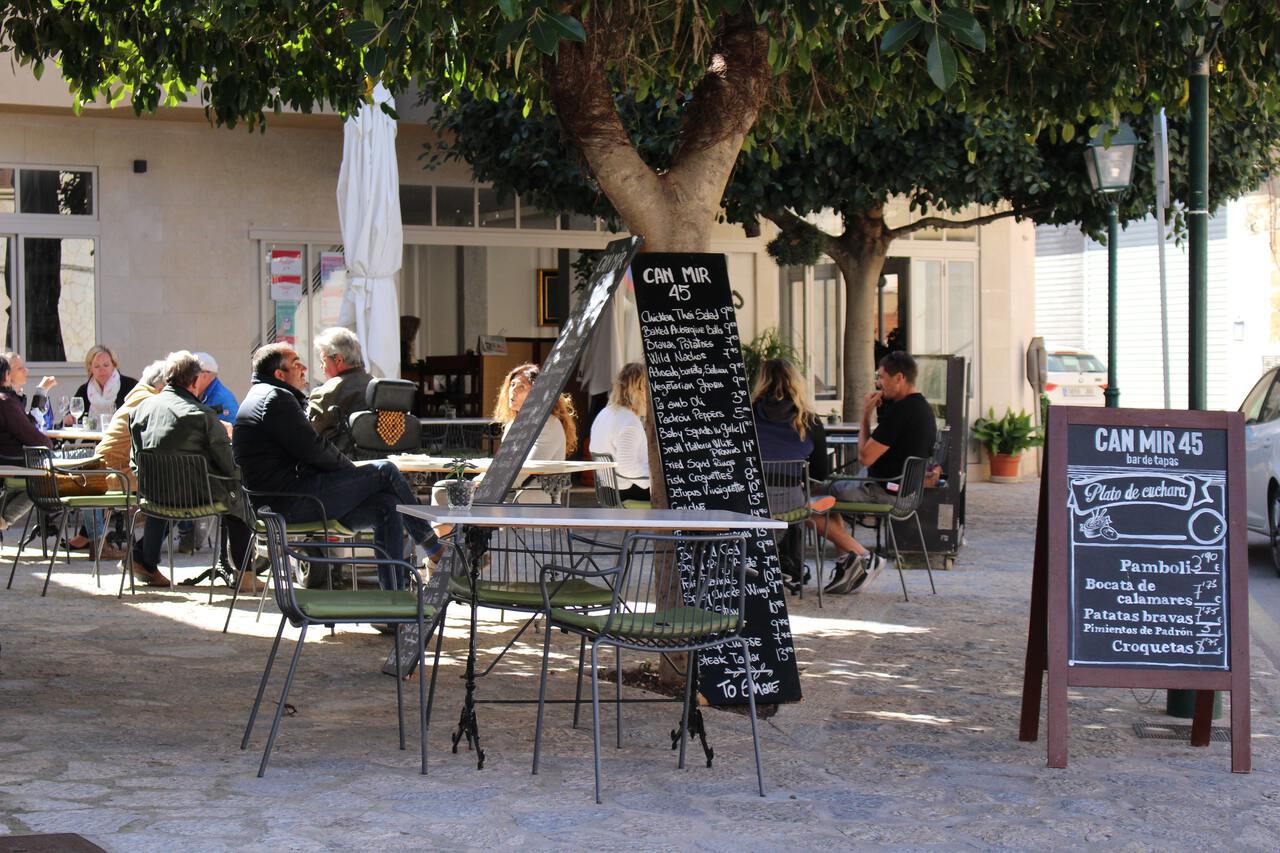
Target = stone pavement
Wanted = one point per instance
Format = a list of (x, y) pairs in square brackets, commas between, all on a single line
[(122, 721)]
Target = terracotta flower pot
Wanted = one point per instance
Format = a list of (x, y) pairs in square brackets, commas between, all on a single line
[(1004, 466)]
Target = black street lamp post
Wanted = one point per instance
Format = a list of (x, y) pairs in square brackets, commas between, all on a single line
[(1109, 162)]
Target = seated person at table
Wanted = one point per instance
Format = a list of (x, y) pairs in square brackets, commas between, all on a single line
[(213, 393), (279, 451), (558, 437), (788, 429), (175, 421), (38, 406), (905, 427), (329, 408), (113, 451), (16, 432), (619, 431), (105, 389), (115, 448)]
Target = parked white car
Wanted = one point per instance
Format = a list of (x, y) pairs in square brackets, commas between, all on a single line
[(1261, 408), (1074, 377)]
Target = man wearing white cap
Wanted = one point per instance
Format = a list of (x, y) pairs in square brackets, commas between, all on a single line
[(215, 395)]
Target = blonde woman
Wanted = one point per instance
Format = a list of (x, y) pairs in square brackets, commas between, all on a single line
[(619, 431), (788, 429), (106, 387), (559, 436)]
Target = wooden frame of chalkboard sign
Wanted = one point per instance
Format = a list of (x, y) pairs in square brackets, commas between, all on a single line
[(1139, 579)]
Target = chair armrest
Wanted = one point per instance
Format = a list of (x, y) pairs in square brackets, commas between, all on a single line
[(349, 545), (578, 573)]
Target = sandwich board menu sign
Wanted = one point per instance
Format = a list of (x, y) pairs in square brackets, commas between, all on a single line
[(609, 270), (710, 457), (1139, 578)]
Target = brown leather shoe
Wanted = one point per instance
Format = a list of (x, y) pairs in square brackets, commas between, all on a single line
[(250, 584), (109, 552), (150, 577)]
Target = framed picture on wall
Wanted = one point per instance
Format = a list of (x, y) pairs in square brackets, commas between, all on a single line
[(548, 313)]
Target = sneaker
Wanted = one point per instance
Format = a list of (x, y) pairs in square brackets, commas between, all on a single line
[(849, 570), (875, 565)]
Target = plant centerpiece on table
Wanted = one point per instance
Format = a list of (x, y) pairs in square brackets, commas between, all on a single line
[(459, 489), (1005, 439)]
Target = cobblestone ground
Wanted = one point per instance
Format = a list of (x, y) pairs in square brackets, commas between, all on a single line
[(122, 721)]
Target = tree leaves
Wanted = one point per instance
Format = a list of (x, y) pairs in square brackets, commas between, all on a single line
[(941, 61), (360, 33), (898, 35)]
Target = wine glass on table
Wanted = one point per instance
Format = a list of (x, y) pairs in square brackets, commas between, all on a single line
[(77, 409)]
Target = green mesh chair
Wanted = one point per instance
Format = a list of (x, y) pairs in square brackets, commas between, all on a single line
[(49, 506), (177, 487), (786, 482), (650, 609), (902, 502), (326, 529), (607, 487), (306, 607)]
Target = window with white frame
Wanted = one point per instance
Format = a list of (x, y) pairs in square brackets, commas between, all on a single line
[(48, 261), (481, 207), (811, 312)]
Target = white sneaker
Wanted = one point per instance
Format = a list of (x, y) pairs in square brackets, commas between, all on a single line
[(875, 565), (856, 571)]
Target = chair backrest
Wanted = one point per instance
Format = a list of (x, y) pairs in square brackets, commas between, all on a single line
[(390, 425), (910, 488), (606, 483), (42, 491), (281, 567), (786, 482), (674, 589), (174, 485)]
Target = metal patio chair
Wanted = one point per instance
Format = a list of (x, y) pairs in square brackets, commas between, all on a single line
[(306, 607), (902, 506), (48, 505), (786, 482), (651, 611)]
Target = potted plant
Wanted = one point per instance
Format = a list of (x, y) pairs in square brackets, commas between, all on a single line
[(1005, 439), (459, 489)]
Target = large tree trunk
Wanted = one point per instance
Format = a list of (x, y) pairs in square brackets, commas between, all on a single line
[(860, 253), (673, 210)]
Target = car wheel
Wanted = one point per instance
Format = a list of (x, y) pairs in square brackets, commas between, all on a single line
[(1274, 517)]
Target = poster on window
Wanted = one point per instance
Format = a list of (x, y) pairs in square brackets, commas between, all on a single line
[(286, 275), (285, 331), (333, 284)]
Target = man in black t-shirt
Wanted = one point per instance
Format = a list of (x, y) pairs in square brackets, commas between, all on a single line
[(905, 427)]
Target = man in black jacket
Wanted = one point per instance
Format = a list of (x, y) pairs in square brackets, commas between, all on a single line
[(278, 451)]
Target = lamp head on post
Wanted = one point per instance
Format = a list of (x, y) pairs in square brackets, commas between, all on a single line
[(1109, 161), (1109, 158)]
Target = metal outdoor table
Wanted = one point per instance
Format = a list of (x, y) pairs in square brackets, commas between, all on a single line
[(557, 472), (18, 471), (551, 516), (843, 447), (75, 434)]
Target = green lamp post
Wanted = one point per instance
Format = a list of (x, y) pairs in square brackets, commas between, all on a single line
[(1109, 162)]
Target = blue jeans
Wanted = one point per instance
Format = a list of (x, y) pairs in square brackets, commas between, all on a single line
[(147, 549), (366, 499)]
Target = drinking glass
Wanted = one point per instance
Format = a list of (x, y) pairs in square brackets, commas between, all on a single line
[(77, 408)]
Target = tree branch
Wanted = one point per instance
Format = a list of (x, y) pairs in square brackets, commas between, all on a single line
[(941, 222)]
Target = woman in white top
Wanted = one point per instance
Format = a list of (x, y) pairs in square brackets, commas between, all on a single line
[(559, 436), (619, 431)]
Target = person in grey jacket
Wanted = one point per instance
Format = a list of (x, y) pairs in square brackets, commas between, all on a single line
[(175, 421), (329, 408), (279, 451)]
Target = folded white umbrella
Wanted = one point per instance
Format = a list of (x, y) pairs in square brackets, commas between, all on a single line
[(372, 234)]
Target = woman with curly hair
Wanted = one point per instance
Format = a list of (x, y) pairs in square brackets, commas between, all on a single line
[(559, 436)]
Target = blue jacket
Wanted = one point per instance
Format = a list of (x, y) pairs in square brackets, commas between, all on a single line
[(219, 398)]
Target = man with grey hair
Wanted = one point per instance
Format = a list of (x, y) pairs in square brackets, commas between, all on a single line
[(329, 408), (175, 421)]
